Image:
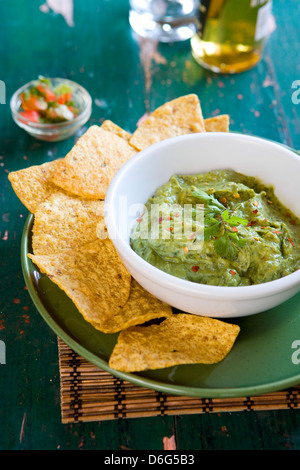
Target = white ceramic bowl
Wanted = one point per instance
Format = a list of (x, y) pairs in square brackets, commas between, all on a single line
[(137, 180)]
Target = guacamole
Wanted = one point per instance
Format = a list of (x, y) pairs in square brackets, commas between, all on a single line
[(219, 228)]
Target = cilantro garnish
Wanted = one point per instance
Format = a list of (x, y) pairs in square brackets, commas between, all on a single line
[(221, 225)]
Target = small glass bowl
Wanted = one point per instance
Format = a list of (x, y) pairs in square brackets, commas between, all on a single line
[(53, 132)]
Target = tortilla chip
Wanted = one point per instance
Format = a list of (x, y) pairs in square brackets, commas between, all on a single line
[(178, 117), (179, 339), (33, 185), (112, 127), (64, 221), (92, 163), (92, 276), (217, 124), (140, 307)]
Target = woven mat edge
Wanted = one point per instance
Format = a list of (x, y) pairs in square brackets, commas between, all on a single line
[(88, 394)]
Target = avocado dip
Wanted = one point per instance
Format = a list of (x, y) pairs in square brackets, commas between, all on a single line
[(233, 230)]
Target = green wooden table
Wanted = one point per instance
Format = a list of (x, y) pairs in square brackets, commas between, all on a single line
[(126, 79)]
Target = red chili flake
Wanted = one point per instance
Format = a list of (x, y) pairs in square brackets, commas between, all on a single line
[(17, 301), (170, 229), (234, 229), (140, 219), (195, 268), (160, 220), (255, 211), (255, 203), (288, 214), (291, 241), (277, 231), (252, 222), (233, 273), (293, 222)]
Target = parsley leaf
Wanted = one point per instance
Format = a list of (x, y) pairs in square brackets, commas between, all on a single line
[(225, 247), (209, 200), (228, 245), (234, 220), (216, 216), (211, 227)]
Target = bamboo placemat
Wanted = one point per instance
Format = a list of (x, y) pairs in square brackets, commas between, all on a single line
[(91, 394)]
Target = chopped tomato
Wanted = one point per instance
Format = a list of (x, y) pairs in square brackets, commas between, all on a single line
[(32, 116), (44, 103), (33, 103), (63, 99), (49, 95)]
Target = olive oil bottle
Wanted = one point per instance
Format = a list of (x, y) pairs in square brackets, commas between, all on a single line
[(231, 34)]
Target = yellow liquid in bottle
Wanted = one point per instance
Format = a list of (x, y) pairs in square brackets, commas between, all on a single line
[(232, 34)]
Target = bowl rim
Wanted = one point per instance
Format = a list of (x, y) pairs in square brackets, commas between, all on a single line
[(169, 281), (52, 126)]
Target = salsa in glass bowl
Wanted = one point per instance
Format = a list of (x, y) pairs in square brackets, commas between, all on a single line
[(51, 109)]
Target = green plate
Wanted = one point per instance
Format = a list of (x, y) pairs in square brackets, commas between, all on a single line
[(261, 360)]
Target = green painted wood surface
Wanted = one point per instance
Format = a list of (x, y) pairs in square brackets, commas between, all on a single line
[(126, 79)]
